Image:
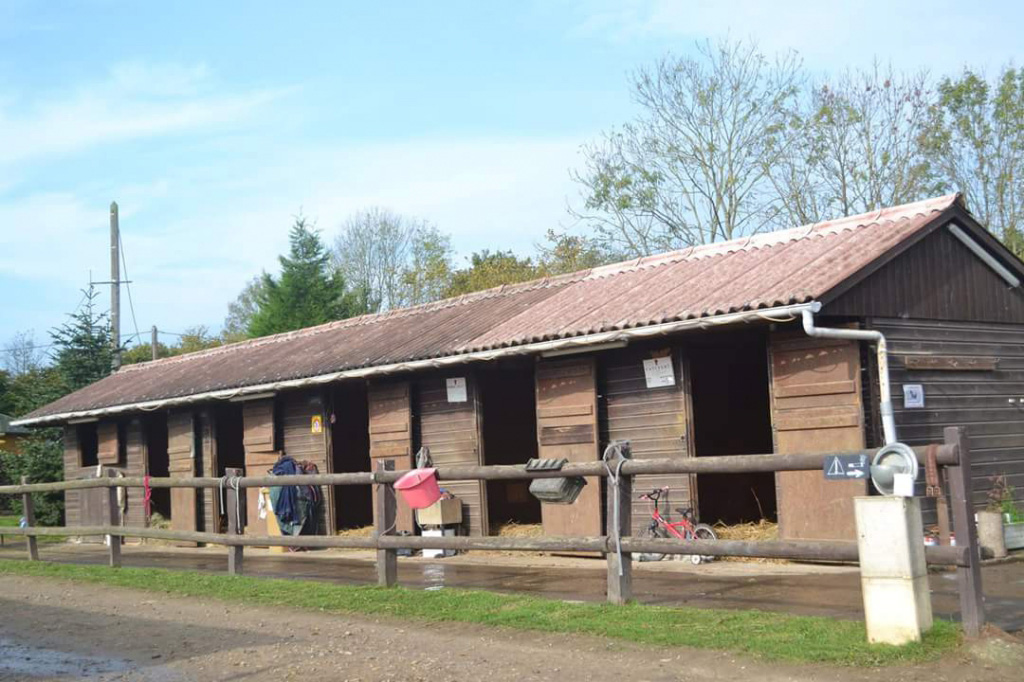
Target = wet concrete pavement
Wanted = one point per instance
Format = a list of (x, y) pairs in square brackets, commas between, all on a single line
[(807, 590)]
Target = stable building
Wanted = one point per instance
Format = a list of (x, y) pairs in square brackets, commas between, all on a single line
[(692, 353)]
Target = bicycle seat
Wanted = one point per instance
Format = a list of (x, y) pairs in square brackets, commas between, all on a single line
[(684, 511)]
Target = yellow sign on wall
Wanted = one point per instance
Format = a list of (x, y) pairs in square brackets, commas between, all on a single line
[(316, 424)]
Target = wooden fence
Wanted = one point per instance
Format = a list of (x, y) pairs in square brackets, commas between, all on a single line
[(618, 546)]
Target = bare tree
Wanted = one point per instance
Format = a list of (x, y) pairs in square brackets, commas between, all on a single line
[(241, 310), (21, 354), (392, 259), (693, 168), (858, 147)]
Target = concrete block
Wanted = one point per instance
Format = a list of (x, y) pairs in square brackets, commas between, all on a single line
[(894, 576), (890, 537)]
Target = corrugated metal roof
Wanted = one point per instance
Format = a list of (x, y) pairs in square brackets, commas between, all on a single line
[(762, 271)]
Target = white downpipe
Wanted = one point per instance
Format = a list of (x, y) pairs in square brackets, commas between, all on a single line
[(872, 336)]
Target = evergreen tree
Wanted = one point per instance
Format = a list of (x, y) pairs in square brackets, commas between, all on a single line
[(308, 292), (83, 345)]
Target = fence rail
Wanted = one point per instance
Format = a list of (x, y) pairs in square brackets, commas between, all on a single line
[(618, 546)]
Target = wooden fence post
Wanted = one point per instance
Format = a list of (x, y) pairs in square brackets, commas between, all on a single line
[(114, 520), (234, 507), (387, 511), (30, 518), (972, 603), (620, 569)]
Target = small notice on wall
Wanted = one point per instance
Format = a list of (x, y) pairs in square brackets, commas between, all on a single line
[(456, 389), (913, 395), (316, 424), (659, 372)]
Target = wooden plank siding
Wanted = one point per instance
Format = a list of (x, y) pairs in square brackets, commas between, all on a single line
[(296, 410), (391, 437), (936, 279), (567, 428), (181, 463), (134, 464), (656, 422), (260, 445), (122, 447), (451, 431), (816, 406), (206, 465), (977, 400)]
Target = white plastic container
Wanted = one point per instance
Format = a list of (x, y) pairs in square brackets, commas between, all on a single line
[(437, 533)]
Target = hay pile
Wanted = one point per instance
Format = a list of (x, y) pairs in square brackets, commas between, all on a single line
[(512, 529), (761, 531), (364, 532)]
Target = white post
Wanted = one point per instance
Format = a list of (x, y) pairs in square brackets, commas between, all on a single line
[(893, 573)]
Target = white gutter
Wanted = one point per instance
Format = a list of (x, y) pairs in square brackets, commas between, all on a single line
[(979, 251), (779, 314), (872, 336)]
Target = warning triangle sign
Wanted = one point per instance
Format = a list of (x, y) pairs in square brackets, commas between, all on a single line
[(835, 469)]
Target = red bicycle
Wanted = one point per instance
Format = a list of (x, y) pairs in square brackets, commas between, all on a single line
[(685, 529)]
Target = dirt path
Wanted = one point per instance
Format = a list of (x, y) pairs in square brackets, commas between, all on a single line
[(57, 630)]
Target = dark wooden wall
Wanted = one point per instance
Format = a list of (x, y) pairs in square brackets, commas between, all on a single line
[(656, 422), (937, 279), (451, 430), (977, 399)]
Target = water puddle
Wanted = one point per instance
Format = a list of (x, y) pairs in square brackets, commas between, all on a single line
[(23, 662), (433, 577)]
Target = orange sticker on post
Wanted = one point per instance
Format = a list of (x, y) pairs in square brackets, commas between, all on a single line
[(316, 424)]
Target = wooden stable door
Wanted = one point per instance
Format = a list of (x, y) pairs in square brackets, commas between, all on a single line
[(182, 464), (567, 428), (391, 438), (816, 407), (260, 455)]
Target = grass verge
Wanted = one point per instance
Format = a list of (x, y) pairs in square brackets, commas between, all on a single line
[(12, 522), (771, 636)]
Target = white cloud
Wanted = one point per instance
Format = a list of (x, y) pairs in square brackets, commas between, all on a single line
[(135, 100), (193, 239), (941, 35)]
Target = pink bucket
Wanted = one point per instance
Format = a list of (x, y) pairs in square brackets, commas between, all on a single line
[(418, 488)]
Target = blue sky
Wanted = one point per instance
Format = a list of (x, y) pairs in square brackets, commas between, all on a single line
[(213, 123)]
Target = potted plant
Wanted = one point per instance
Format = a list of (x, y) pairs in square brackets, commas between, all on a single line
[(1001, 501)]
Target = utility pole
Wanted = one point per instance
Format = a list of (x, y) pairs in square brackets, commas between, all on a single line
[(115, 286), (152, 341)]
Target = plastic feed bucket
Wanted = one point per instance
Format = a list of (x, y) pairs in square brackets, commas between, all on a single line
[(419, 488)]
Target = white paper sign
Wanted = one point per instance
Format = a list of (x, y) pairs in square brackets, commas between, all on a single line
[(659, 372), (903, 485), (913, 395), (456, 389)]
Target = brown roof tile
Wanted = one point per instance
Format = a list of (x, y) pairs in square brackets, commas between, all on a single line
[(763, 271)]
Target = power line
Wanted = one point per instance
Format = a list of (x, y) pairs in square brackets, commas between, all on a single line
[(127, 283)]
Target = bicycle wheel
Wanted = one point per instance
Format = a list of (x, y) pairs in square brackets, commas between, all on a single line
[(702, 531), (646, 534)]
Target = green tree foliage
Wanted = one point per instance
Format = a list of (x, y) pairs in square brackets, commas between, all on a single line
[(564, 253), (308, 292), (491, 269), (83, 351), (975, 140), (41, 459), (193, 339)]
